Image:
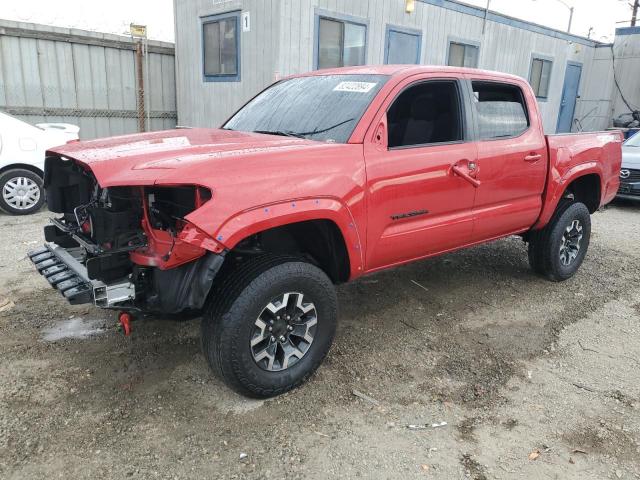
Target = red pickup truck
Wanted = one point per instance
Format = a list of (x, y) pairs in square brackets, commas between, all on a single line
[(319, 179)]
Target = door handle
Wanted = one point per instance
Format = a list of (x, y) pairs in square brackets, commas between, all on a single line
[(533, 157), (461, 173)]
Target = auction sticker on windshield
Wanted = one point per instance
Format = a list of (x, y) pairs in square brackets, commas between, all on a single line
[(356, 87)]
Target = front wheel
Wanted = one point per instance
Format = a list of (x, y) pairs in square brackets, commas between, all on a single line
[(557, 251), (269, 325), (21, 192)]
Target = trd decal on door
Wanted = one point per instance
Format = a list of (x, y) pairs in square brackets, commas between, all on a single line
[(414, 213)]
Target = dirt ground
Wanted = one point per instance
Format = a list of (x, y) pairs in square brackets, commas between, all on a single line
[(533, 379)]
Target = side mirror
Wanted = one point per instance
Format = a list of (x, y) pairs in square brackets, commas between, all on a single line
[(380, 135)]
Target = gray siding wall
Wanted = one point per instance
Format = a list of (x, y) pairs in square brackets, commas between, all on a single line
[(503, 47), (281, 42), (50, 74), (595, 108), (627, 57), (208, 104)]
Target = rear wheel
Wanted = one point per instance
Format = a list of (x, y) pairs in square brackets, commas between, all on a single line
[(557, 251), (21, 192), (269, 325)]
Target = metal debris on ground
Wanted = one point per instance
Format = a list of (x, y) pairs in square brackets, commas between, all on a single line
[(424, 426), (421, 286), (417, 427), (364, 396), (6, 305)]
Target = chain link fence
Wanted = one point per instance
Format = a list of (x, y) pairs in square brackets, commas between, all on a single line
[(98, 112)]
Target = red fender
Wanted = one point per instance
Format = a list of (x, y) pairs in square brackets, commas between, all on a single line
[(565, 169), (250, 222)]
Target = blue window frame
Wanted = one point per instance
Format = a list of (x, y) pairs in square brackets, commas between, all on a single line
[(402, 46), (340, 40), (221, 47), (462, 53), (540, 75)]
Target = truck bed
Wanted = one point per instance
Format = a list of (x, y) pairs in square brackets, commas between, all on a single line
[(570, 154)]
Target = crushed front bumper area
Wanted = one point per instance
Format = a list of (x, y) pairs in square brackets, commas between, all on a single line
[(64, 270), (182, 289)]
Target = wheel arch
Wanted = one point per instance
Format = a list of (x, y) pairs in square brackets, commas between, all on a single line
[(22, 166), (582, 183), (322, 228), (586, 189)]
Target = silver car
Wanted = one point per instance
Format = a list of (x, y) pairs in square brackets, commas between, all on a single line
[(630, 171)]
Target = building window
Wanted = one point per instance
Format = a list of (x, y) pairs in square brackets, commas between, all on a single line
[(463, 55), (221, 47), (403, 46), (540, 76), (340, 43)]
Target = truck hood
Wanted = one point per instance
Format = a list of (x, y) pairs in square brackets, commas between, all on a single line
[(175, 156)]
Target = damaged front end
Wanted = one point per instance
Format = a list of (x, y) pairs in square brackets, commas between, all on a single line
[(125, 247)]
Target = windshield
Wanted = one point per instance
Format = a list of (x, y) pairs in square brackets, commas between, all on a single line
[(633, 141), (325, 108)]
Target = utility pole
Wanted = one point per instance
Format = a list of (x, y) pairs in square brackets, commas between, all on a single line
[(139, 32), (571, 18), (634, 15), (140, 85), (486, 12), (570, 8)]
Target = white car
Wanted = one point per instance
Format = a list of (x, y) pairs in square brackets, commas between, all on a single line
[(630, 171), (22, 149)]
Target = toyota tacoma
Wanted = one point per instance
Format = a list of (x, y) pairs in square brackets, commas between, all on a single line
[(319, 179)]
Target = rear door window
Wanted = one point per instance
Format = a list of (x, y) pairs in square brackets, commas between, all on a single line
[(501, 110)]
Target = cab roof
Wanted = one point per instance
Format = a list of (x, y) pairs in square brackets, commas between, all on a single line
[(407, 70)]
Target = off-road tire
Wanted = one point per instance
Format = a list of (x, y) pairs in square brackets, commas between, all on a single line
[(21, 173), (544, 245), (236, 302)]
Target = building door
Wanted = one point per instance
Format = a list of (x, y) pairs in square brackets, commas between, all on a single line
[(403, 46), (569, 96)]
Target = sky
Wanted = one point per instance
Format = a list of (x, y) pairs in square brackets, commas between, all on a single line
[(109, 16), (602, 15), (114, 16)]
